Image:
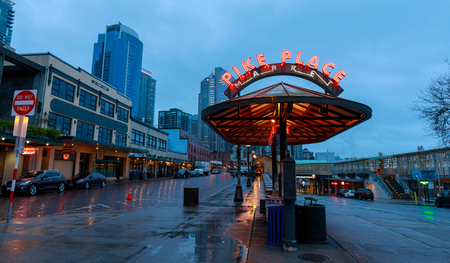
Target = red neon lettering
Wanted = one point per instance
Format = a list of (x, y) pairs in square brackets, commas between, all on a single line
[(297, 59), (226, 77), (325, 66), (247, 65), (314, 62), (285, 54), (261, 60), (339, 76), (237, 71)]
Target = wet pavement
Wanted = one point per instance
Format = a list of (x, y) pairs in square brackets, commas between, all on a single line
[(159, 192), (220, 230)]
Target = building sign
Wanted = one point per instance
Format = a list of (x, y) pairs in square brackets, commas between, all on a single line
[(308, 71), (424, 174), (29, 150)]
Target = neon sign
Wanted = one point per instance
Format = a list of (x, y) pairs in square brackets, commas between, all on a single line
[(308, 71)]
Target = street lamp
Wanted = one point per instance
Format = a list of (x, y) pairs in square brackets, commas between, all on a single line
[(328, 172), (238, 197)]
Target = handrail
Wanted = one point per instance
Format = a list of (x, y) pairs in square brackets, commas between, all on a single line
[(405, 187), (382, 184)]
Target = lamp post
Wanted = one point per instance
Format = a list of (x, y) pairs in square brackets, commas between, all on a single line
[(248, 157), (328, 172), (238, 197)]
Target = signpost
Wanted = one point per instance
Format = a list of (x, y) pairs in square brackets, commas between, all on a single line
[(24, 104)]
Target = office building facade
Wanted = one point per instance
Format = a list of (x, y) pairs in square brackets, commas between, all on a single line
[(6, 21), (147, 91), (212, 92), (175, 119), (117, 59)]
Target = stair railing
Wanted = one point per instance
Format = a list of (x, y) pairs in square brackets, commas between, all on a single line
[(381, 183), (405, 187)]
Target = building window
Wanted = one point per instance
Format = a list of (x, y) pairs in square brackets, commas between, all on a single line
[(122, 115), (62, 89), (104, 135), (121, 139), (137, 137), (151, 141), (107, 108), (88, 100), (85, 130), (161, 144), (59, 123)]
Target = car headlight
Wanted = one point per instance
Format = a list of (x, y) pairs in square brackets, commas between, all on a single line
[(80, 181), (24, 183)]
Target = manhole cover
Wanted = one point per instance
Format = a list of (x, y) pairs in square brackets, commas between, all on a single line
[(311, 257)]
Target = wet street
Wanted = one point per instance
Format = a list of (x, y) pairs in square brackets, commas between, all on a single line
[(156, 227), (164, 192)]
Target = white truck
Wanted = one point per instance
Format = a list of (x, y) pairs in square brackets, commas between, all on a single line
[(203, 167)]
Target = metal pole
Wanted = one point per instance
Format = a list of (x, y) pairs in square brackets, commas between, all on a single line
[(13, 184), (248, 159), (238, 197), (274, 160), (283, 144)]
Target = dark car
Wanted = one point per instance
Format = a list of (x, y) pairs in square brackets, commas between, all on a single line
[(443, 199), (341, 193), (195, 173), (364, 193), (87, 180), (183, 173), (35, 181)]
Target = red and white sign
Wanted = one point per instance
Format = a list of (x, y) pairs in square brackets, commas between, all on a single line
[(29, 150), (24, 102)]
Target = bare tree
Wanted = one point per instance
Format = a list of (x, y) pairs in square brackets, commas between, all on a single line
[(433, 106)]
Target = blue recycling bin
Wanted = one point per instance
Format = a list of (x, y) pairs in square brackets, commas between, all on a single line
[(275, 225)]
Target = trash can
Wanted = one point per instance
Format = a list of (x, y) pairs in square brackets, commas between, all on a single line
[(190, 196), (272, 201), (275, 225), (310, 224)]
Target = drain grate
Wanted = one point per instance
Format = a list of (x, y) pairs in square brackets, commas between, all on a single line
[(311, 257)]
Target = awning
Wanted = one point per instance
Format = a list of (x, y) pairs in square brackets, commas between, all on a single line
[(310, 116)]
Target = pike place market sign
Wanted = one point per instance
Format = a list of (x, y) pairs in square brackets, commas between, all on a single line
[(308, 71)]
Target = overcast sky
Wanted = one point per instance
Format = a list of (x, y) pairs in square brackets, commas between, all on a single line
[(389, 50)]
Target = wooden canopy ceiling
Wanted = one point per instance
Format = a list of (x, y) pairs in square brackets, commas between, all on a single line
[(311, 116)]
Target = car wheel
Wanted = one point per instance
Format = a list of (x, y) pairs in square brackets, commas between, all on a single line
[(33, 189), (86, 185), (103, 184), (438, 204), (61, 187)]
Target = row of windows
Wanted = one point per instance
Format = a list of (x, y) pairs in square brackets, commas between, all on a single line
[(84, 130), (317, 168), (137, 137), (65, 91)]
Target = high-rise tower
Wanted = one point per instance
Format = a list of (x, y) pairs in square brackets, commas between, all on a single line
[(6, 21), (147, 93), (117, 60), (212, 92)]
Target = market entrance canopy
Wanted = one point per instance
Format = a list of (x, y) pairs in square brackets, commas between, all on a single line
[(310, 116)]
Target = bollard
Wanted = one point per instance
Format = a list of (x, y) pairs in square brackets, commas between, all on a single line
[(249, 182)]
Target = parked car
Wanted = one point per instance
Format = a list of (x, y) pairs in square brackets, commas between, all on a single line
[(233, 170), (349, 193), (364, 193), (87, 180), (196, 173), (443, 199), (215, 171), (244, 171), (341, 192), (35, 181), (183, 173)]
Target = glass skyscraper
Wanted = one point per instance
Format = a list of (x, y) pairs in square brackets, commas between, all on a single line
[(212, 90), (6, 21), (147, 91), (117, 59)]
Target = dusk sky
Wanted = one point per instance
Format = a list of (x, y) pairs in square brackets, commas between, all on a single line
[(389, 50)]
